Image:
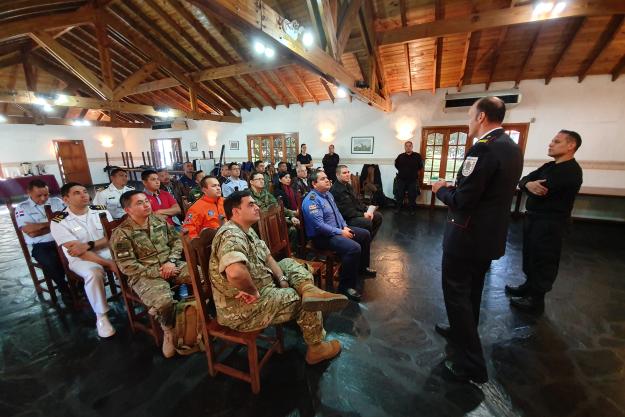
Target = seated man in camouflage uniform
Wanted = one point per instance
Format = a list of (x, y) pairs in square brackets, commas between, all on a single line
[(243, 276), (148, 250), (264, 199)]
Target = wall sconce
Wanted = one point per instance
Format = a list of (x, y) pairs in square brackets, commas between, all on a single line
[(405, 128), (106, 141), (327, 131), (211, 135)]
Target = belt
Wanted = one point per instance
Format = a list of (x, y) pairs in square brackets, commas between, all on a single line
[(44, 243)]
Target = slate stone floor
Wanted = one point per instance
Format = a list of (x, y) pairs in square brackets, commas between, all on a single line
[(569, 362)]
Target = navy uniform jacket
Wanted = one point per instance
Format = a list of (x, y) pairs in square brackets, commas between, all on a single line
[(321, 216), (479, 205)]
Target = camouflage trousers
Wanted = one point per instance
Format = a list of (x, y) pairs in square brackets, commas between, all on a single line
[(156, 294), (278, 305)]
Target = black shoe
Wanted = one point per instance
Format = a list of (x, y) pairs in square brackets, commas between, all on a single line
[(517, 291), (369, 273), (455, 373), (352, 294), (530, 304), (443, 329)]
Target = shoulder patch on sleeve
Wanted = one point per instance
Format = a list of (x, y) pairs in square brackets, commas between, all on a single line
[(60, 217), (97, 207), (469, 165), (312, 196)]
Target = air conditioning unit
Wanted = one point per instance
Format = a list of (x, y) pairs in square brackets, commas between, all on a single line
[(171, 125), (463, 101)]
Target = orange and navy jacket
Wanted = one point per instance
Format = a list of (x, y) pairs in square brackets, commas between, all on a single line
[(207, 212)]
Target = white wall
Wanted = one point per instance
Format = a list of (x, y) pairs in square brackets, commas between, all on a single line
[(595, 109), (30, 143)]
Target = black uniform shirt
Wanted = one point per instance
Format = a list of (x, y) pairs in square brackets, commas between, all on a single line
[(408, 166), (563, 181), (330, 162), (304, 159)]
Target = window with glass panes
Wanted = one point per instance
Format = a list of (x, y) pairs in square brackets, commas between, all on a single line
[(444, 148), (273, 147)]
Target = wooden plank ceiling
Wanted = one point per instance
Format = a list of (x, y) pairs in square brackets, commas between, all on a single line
[(129, 59)]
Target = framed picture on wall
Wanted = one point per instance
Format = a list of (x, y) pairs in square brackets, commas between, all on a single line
[(234, 145), (362, 144), (193, 146)]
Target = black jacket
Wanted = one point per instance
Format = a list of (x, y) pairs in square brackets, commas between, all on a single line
[(330, 163), (408, 166), (300, 187), (479, 205), (347, 202), (563, 181)]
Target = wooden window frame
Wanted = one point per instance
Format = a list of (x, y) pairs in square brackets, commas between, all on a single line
[(177, 155), (271, 137)]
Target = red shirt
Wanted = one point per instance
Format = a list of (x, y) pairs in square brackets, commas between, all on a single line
[(161, 200)]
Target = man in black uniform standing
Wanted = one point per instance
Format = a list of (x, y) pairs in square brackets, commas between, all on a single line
[(330, 161), (409, 171), (476, 231), (551, 191)]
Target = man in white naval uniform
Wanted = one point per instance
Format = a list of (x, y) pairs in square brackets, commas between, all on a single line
[(109, 196), (32, 221), (79, 231)]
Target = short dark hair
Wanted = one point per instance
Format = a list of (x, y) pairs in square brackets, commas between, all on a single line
[(313, 176), (37, 184), (339, 168), (206, 178), (574, 136), (125, 198), (158, 171), (280, 163), (66, 188), (493, 107), (231, 164), (116, 170), (195, 173), (283, 174), (234, 201), (302, 145), (146, 174), (255, 173), (257, 163)]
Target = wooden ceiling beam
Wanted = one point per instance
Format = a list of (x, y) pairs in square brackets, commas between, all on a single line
[(497, 18), (528, 55), (82, 16), (496, 52), (348, 19), (303, 82), (289, 87), (438, 48), (10, 60), (404, 23), (376, 73), (329, 27), (104, 45), (326, 87), (65, 57), (240, 69), (245, 16), (259, 89), (134, 80), (618, 68), (569, 37), (237, 101), (268, 81), (605, 39), (465, 58), (315, 19), (29, 73), (29, 97), (60, 73), (250, 96), (19, 120)]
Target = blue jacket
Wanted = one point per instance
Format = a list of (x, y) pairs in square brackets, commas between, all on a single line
[(231, 185), (321, 216)]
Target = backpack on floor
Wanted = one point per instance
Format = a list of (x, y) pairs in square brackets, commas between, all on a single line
[(188, 330)]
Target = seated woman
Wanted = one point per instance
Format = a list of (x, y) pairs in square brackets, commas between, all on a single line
[(371, 184), (284, 191)]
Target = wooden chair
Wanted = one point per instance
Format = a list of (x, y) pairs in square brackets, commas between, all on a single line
[(137, 311), (274, 231), (43, 284), (74, 281), (326, 256), (197, 253), (355, 181), (186, 205)]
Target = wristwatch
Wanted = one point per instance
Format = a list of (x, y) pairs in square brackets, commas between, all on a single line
[(91, 244), (173, 260), (282, 278)]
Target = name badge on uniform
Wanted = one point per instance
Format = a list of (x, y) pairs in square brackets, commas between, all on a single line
[(211, 213), (469, 165), (76, 229)]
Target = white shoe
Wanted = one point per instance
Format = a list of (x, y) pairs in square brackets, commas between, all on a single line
[(104, 326)]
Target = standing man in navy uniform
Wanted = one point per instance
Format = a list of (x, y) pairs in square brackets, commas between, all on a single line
[(476, 231), (551, 191), (328, 230)]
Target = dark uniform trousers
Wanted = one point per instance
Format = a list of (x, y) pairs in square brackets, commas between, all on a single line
[(542, 245), (47, 256), (354, 254), (463, 282), (410, 187), (371, 225)]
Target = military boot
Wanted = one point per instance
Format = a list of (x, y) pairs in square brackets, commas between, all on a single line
[(322, 351), (169, 349), (315, 299)]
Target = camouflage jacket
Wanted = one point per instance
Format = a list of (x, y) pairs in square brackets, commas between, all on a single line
[(231, 245), (139, 251), (265, 199), (195, 194)]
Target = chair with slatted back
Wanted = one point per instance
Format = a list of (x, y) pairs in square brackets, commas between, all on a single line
[(137, 311), (197, 252), (355, 182), (186, 205), (273, 230), (74, 281), (43, 284), (307, 249)]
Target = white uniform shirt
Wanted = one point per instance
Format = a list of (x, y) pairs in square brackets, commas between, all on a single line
[(109, 197), (29, 212), (69, 227)]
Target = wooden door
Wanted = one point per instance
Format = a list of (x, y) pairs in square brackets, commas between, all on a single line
[(72, 160)]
